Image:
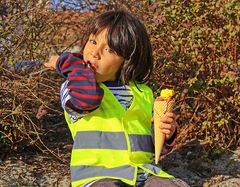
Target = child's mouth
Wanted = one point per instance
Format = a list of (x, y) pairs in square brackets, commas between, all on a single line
[(92, 66)]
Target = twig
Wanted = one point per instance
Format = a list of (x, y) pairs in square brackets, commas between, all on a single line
[(41, 100), (40, 71)]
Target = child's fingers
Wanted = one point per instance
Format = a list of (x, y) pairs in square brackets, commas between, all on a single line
[(48, 65), (52, 62), (171, 115), (167, 120), (166, 131), (168, 127)]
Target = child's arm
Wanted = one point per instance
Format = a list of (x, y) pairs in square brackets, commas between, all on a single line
[(80, 93)]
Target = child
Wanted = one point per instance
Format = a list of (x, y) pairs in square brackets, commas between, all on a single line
[(108, 107)]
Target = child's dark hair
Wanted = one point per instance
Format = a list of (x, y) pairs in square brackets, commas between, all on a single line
[(128, 37)]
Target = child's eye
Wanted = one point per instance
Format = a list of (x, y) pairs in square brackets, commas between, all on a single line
[(92, 41)]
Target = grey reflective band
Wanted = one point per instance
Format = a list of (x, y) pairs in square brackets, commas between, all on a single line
[(141, 142), (153, 168), (100, 140), (83, 172), (112, 140)]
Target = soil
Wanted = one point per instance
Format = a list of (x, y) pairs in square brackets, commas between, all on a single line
[(193, 161)]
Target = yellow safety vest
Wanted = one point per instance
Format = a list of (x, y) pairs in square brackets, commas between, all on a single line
[(112, 142)]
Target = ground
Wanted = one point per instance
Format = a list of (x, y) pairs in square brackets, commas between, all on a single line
[(194, 162)]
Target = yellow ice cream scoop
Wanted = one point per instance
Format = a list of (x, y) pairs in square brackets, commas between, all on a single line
[(166, 93), (162, 104)]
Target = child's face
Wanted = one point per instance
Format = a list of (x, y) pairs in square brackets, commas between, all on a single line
[(102, 58)]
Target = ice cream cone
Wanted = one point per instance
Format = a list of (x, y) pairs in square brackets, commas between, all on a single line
[(161, 106)]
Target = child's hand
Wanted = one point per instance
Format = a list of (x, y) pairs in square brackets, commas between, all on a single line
[(52, 62), (168, 124)]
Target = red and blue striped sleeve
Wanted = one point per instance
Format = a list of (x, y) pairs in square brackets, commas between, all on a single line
[(82, 93)]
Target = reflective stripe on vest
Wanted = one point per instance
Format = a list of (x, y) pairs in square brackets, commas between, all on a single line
[(83, 172), (110, 140), (152, 168), (141, 142)]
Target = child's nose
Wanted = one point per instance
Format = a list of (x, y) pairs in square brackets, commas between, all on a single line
[(95, 53)]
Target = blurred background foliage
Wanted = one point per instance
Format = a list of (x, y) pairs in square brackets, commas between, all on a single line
[(196, 52)]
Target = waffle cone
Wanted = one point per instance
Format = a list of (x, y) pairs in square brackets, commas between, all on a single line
[(161, 106)]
